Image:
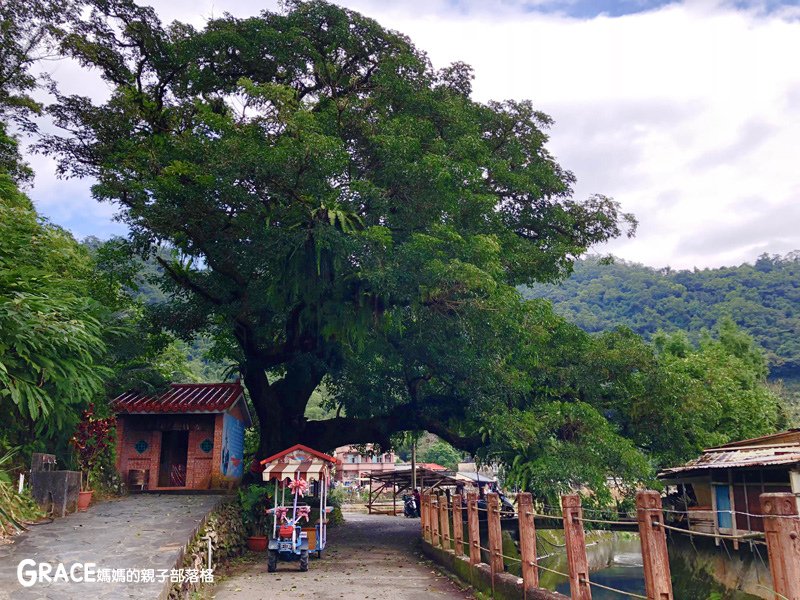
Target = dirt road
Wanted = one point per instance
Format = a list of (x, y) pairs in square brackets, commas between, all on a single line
[(370, 556)]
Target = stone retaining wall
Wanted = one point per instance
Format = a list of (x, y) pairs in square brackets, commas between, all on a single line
[(226, 530), (505, 587)]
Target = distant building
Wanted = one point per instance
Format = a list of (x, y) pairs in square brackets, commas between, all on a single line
[(719, 492), (430, 466), (470, 473), (354, 467)]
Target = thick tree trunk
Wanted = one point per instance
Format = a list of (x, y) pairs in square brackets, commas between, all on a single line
[(280, 408), (279, 425), (282, 424), (266, 408)]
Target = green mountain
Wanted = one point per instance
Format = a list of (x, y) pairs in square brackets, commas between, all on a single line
[(762, 298)]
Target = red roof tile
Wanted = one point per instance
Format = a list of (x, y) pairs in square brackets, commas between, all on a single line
[(432, 466), (181, 398)]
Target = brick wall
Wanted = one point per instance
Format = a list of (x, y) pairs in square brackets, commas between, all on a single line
[(200, 464), (131, 457), (216, 466)]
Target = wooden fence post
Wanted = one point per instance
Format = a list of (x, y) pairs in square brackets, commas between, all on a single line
[(527, 541), (458, 526), (782, 529), (434, 519), (495, 533), (473, 529), (576, 547), (444, 521), (653, 537), (423, 517)]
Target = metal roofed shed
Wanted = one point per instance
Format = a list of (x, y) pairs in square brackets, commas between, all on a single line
[(191, 436), (399, 481), (737, 458), (719, 491), (475, 478)]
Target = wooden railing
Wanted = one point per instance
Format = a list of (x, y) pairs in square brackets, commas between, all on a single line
[(439, 518)]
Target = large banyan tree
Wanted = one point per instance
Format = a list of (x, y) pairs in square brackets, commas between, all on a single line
[(340, 212)]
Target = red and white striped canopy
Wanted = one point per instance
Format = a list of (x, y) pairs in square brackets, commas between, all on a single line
[(307, 469)]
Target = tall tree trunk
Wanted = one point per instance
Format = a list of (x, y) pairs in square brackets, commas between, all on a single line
[(268, 411), (280, 406)]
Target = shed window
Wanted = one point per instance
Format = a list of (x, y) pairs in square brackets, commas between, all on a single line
[(206, 445), (141, 446)]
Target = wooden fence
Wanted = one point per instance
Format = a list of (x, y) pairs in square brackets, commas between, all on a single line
[(443, 528)]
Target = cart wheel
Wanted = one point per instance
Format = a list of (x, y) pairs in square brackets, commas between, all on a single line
[(304, 560), (272, 561)]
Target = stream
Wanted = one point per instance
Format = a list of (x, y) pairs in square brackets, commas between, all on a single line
[(700, 571), (615, 560)]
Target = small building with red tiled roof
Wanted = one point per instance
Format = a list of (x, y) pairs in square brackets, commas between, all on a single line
[(188, 437), (432, 466)]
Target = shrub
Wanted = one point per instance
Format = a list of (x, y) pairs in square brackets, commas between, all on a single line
[(15, 508), (255, 501), (93, 437)]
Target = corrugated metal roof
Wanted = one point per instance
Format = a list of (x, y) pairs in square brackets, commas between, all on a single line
[(181, 398), (742, 458), (774, 439)]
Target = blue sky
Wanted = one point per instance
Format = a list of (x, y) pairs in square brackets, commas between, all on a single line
[(587, 9), (687, 113)]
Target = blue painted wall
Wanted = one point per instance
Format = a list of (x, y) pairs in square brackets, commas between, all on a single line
[(232, 447)]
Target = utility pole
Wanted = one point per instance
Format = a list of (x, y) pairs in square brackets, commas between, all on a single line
[(413, 463)]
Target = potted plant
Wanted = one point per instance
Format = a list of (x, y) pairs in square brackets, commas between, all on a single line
[(93, 436), (255, 501)]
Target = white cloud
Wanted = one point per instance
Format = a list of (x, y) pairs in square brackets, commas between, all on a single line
[(689, 115), (694, 101)]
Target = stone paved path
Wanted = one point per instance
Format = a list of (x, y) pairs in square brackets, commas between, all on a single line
[(145, 531), (371, 556)]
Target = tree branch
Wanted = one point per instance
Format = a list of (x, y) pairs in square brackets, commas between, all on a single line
[(185, 281), (341, 431)]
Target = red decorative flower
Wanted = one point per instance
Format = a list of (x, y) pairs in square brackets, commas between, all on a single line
[(299, 486)]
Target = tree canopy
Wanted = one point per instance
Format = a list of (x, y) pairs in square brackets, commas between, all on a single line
[(51, 338), (325, 210), (326, 191), (70, 332), (70, 329)]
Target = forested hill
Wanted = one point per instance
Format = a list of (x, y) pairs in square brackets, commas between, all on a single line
[(763, 299)]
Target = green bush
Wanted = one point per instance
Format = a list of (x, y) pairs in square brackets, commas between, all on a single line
[(336, 517), (15, 508), (104, 477), (255, 500), (337, 496)]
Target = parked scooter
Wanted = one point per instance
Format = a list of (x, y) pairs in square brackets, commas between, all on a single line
[(507, 510), (410, 508)]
